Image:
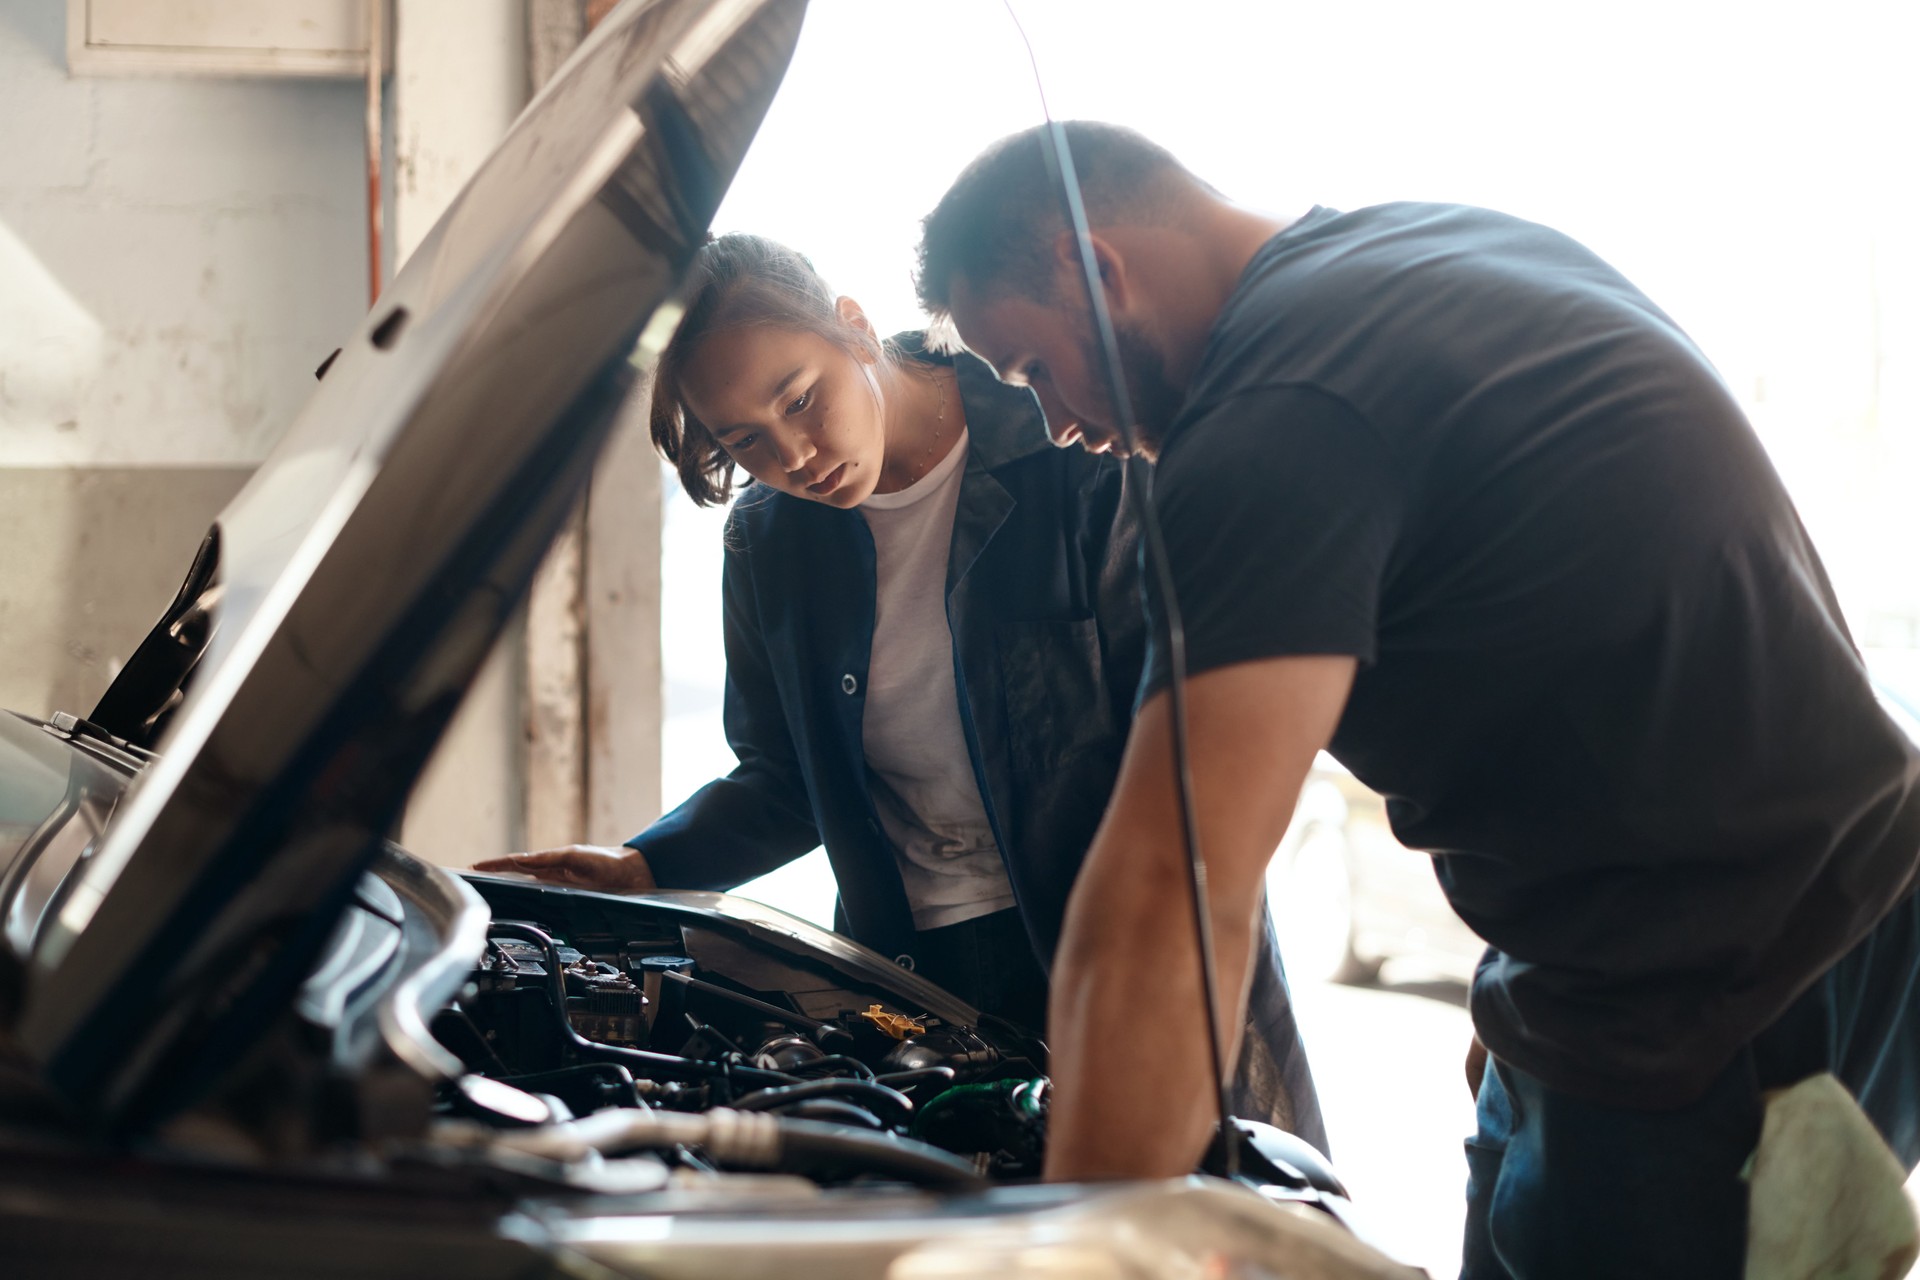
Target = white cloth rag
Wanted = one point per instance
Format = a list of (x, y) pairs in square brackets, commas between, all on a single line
[(1827, 1196)]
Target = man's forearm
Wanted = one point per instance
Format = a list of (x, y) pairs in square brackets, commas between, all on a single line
[(1127, 1022), (1134, 1086)]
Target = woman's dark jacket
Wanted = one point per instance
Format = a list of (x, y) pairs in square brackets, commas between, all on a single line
[(1043, 603)]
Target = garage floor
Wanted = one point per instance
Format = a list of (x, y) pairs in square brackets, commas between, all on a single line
[(1388, 1064)]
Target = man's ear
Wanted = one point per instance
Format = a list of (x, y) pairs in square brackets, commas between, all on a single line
[(854, 318), (1113, 269)]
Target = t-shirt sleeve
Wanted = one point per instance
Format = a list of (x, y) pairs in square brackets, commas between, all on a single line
[(1280, 508)]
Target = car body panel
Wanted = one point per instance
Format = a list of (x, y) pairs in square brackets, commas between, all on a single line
[(1187, 1226), (514, 897), (56, 799)]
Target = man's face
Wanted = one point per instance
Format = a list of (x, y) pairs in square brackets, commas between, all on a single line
[(1049, 345)]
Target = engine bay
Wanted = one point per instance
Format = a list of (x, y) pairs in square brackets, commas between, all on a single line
[(583, 1005), (490, 1042)]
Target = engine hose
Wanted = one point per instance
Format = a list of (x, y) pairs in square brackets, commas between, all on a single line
[(835, 1110), (742, 1138), (747, 1139), (646, 1064), (916, 1077), (834, 1062), (1017, 1100), (810, 1143), (875, 1097)]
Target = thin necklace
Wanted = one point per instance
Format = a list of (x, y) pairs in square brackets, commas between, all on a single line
[(939, 425)]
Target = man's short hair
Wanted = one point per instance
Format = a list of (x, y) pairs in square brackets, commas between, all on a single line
[(996, 225)]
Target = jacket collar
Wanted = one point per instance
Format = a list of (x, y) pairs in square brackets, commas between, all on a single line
[(1003, 423)]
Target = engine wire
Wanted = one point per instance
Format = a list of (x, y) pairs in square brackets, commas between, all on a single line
[(1139, 483)]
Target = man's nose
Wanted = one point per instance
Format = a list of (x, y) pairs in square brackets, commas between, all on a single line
[(1063, 427)]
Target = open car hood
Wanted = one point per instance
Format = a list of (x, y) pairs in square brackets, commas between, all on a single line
[(366, 570)]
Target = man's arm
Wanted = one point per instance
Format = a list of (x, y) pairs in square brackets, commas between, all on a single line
[(1129, 1104)]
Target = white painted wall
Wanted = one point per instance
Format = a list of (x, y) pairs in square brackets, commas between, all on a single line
[(176, 255)]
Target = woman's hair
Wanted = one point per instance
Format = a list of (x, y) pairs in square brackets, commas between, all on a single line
[(736, 282)]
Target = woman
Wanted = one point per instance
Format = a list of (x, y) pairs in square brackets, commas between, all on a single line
[(933, 638)]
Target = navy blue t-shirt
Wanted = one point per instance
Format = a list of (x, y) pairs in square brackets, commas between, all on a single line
[(1603, 677)]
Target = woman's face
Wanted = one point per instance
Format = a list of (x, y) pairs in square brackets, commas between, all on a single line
[(795, 411)]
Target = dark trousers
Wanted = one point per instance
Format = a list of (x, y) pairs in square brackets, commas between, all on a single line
[(988, 961), (1559, 1187)]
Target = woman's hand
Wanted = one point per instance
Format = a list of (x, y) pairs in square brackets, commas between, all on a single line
[(581, 866)]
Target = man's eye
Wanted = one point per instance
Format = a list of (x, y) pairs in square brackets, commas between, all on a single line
[(1034, 371), (800, 403)]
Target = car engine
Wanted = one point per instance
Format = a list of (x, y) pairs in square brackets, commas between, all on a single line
[(585, 1005)]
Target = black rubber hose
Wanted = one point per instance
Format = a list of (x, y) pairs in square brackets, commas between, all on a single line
[(745, 1140), (877, 1098), (840, 1062), (811, 1144), (835, 1110), (916, 1077)]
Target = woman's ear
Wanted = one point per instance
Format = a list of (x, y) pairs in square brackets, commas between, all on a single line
[(854, 318)]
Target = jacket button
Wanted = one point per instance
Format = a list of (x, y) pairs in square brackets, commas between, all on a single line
[(905, 962), (848, 684)]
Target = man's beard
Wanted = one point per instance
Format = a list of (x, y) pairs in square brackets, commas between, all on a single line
[(1155, 399)]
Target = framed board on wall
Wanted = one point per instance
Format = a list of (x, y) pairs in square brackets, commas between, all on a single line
[(220, 37)]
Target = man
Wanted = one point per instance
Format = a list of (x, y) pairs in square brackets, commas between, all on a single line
[(1444, 494)]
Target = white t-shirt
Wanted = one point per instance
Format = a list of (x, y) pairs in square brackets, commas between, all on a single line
[(923, 783)]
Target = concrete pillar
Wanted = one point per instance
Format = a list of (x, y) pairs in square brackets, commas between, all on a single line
[(560, 739), (625, 695), (593, 678), (459, 79)]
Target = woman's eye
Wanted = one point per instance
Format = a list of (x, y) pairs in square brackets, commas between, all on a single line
[(1035, 371), (746, 442), (800, 403)]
